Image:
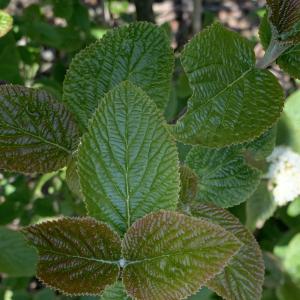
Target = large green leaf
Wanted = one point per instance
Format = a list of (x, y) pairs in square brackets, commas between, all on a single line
[(16, 257), (243, 277), (139, 53), (36, 133), (128, 163), (115, 292), (76, 255), (233, 101), (224, 177), (169, 256), (6, 23)]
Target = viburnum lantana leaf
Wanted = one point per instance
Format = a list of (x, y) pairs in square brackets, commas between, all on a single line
[(170, 256), (288, 61), (232, 100), (128, 163), (6, 23), (243, 277), (139, 52), (115, 292), (72, 177), (36, 133), (224, 177), (285, 18), (77, 256), (189, 185)]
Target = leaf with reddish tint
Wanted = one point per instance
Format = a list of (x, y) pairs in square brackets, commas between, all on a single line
[(243, 277), (77, 256), (169, 256)]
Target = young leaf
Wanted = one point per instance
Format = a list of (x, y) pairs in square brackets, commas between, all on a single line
[(16, 257), (233, 101), (77, 256), (115, 292), (36, 133), (6, 23), (127, 162), (170, 256), (285, 17), (243, 277), (139, 53), (224, 177)]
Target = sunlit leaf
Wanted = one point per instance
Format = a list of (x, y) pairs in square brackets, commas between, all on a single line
[(115, 292), (6, 23), (36, 133), (16, 257), (139, 53), (76, 255), (128, 163), (170, 256), (224, 177), (232, 100), (243, 277)]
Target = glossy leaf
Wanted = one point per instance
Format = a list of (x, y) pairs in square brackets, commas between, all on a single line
[(170, 256), (243, 277), (76, 255), (16, 257), (285, 17), (139, 53), (233, 101), (36, 133), (128, 163), (115, 292), (224, 177), (6, 23)]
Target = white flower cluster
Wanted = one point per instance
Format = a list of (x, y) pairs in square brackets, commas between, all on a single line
[(284, 175)]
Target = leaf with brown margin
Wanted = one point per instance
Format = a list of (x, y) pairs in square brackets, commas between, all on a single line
[(169, 256), (37, 134), (77, 256), (243, 277)]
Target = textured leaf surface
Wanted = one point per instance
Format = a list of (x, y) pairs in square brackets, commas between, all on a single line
[(6, 23), (16, 257), (243, 277), (233, 102), (170, 256), (285, 17), (189, 184), (76, 255), (139, 53), (36, 133), (72, 177), (128, 164), (115, 292), (224, 177)]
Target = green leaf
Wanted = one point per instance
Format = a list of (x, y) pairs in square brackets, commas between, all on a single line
[(233, 101), (16, 257), (189, 185), (224, 177), (72, 177), (243, 277), (6, 23), (115, 292), (77, 256), (292, 119), (127, 162), (285, 18), (265, 31), (169, 256), (139, 53), (294, 208), (260, 207), (263, 146), (36, 133)]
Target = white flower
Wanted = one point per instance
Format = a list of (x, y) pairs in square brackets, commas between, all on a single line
[(284, 175)]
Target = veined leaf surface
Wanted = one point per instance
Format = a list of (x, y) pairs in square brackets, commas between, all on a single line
[(6, 23), (139, 53), (233, 101), (243, 277), (128, 163), (224, 177), (170, 256), (36, 133), (115, 292)]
